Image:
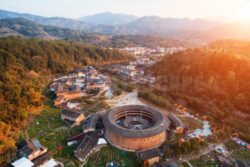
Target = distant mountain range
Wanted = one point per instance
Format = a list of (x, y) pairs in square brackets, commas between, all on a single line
[(29, 29), (108, 18), (191, 30), (26, 28)]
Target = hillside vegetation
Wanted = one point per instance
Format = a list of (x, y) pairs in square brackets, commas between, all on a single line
[(29, 29), (150, 41), (26, 66), (214, 81)]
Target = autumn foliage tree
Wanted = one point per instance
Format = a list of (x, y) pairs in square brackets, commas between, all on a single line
[(26, 66)]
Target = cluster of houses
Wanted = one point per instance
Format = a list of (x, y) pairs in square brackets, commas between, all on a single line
[(157, 51), (134, 71), (81, 82), (91, 139), (33, 154)]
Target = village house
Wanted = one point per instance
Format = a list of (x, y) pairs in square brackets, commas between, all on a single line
[(96, 83), (60, 100), (91, 123), (78, 84), (65, 94), (45, 161), (88, 146), (128, 73), (150, 157), (42, 161), (79, 72), (32, 149), (71, 117)]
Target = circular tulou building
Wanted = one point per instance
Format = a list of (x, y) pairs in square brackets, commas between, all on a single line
[(135, 127)]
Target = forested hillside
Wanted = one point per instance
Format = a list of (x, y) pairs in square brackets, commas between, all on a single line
[(26, 66), (30, 29), (214, 80), (121, 41)]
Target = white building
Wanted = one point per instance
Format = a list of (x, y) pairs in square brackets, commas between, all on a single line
[(23, 162)]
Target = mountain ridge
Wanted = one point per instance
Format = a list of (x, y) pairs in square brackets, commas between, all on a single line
[(29, 29), (108, 18), (195, 31)]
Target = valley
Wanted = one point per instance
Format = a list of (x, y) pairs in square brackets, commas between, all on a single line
[(213, 138), (81, 87)]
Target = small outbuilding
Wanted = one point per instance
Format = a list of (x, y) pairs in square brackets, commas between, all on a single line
[(72, 117), (150, 157)]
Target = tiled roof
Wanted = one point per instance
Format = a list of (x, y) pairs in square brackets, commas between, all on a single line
[(87, 144), (90, 123), (177, 122), (41, 159), (70, 113), (145, 155)]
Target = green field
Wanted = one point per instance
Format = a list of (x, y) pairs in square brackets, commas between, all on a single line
[(108, 154), (52, 132)]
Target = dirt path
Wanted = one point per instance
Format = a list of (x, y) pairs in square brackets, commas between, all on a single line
[(132, 99)]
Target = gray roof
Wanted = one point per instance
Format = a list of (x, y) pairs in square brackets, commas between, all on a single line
[(161, 122), (90, 123), (241, 163), (71, 113), (145, 155), (41, 159), (31, 145), (88, 142), (36, 143), (177, 122), (26, 151)]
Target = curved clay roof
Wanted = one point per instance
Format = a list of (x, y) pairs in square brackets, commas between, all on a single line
[(161, 124)]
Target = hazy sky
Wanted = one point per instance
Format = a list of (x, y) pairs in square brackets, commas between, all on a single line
[(233, 9)]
